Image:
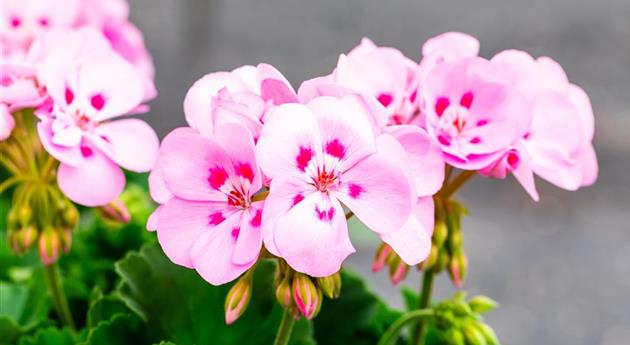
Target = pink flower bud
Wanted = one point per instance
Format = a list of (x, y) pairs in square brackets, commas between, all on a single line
[(397, 270), (27, 237), (237, 299), (457, 267), (330, 285), (283, 293), (49, 246), (66, 239), (382, 253), (116, 211), (307, 297)]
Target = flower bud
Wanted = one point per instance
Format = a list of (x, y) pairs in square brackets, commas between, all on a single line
[(472, 335), (455, 240), (25, 214), (49, 246), (27, 237), (397, 270), (307, 297), (432, 259), (14, 242), (382, 253), (284, 294), (454, 337), (457, 268), (13, 221), (482, 304), (488, 334), (331, 285), (116, 211), (70, 216), (440, 233), (461, 309), (442, 261), (66, 239), (237, 299)]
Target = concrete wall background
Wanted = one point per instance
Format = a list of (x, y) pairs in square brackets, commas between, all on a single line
[(561, 267)]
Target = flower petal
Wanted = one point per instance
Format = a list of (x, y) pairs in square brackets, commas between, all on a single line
[(131, 143), (249, 239), (68, 155), (412, 242)]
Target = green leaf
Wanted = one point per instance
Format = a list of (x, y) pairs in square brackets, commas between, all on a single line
[(176, 305), (357, 317), (49, 336)]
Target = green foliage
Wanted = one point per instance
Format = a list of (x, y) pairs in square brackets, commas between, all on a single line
[(49, 336)]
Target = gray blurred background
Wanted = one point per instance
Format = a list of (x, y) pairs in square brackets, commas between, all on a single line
[(560, 268)]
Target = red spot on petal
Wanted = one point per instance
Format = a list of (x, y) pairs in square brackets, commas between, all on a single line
[(466, 100), (413, 96), (304, 157), (43, 21), (245, 170), (482, 123), (441, 104), (336, 149), (385, 99), (15, 22), (297, 199), (513, 160), (217, 177), (444, 140), (68, 95), (97, 101), (475, 140), (86, 151), (235, 232), (526, 136), (255, 222), (325, 215), (354, 190), (216, 218)]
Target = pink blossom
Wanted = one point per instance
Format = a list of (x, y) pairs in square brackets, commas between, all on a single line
[(89, 84), (380, 72), (557, 145), (472, 112), (19, 88), (240, 96), (7, 123), (317, 156), (211, 223)]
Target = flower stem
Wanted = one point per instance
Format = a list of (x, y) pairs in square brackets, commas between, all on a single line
[(59, 297), (390, 336), (457, 182), (286, 326), (419, 330)]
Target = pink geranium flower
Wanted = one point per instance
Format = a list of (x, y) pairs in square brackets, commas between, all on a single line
[(7, 122), (319, 155), (211, 223), (557, 146), (472, 112), (89, 84), (240, 96), (382, 72)]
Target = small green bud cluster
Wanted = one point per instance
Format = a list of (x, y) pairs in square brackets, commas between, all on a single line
[(460, 322)]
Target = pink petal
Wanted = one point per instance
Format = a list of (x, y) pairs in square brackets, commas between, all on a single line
[(588, 161), (424, 157), (211, 254), (181, 222), (289, 133), (190, 163), (451, 45), (346, 132), (239, 143), (96, 182), (412, 242), (154, 218), (131, 143), (313, 236), (525, 176), (249, 239), (378, 192), (68, 155), (277, 92), (7, 123)]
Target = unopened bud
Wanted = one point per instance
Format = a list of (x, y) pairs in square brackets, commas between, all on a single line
[(488, 334), (398, 270), (237, 299), (66, 239), (331, 285), (442, 261), (472, 334), (457, 268), (13, 221), (455, 240), (454, 337), (284, 294), (49, 246), (432, 259), (482, 304), (440, 233), (27, 237), (461, 308), (307, 297), (25, 214), (70, 216), (116, 211), (14, 242), (382, 253)]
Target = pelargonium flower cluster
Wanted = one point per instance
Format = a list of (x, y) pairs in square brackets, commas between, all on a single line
[(262, 166), (78, 65)]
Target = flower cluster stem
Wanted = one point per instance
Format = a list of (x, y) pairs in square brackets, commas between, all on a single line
[(285, 329), (418, 332), (390, 336), (59, 297)]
